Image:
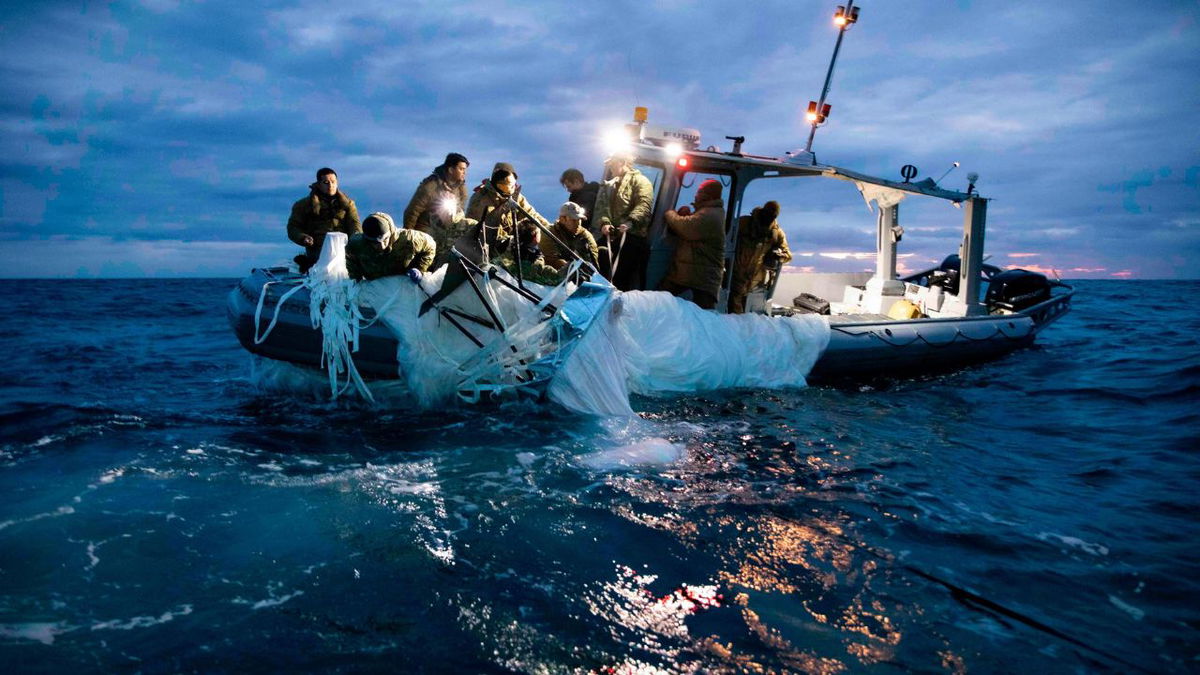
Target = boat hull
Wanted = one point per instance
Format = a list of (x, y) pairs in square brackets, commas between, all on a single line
[(294, 339), (858, 346)]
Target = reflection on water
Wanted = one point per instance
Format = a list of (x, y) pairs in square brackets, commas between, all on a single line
[(160, 513)]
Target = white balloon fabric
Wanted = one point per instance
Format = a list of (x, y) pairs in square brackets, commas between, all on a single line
[(653, 342)]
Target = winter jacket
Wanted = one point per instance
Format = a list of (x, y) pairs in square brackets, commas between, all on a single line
[(403, 250), (754, 243), (699, 259), (533, 266), (581, 243), (427, 206), (426, 212), (502, 219), (625, 200), (317, 216)]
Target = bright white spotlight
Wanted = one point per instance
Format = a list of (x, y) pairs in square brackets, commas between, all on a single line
[(674, 150), (616, 141)]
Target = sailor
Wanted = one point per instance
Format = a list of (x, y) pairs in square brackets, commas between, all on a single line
[(699, 259), (438, 205), (569, 230), (326, 209), (622, 221), (496, 207), (533, 267), (581, 192), (382, 250), (761, 248), (492, 197)]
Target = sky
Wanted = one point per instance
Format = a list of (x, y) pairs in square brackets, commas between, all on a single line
[(165, 138)]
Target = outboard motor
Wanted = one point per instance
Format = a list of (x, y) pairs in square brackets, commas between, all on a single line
[(1014, 290), (946, 275)]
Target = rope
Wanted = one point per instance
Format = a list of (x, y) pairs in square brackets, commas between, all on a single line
[(262, 295)]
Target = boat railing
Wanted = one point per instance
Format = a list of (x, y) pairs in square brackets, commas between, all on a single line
[(1048, 311)]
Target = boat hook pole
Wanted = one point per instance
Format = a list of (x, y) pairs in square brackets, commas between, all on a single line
[(844, 18)]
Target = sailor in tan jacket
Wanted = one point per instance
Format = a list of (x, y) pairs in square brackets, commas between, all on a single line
[(761, 246), (438, 206), (326, 209)]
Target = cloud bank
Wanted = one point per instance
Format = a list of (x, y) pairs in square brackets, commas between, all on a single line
[(169, 138)]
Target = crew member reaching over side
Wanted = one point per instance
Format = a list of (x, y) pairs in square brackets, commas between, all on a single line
[(381, 250)]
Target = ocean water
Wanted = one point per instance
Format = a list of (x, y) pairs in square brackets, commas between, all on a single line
[(162, 513)]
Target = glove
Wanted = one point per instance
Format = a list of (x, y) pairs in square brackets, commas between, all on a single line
[(414, 275)]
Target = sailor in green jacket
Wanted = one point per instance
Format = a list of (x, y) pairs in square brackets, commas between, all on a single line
[(324, 210), (382, 250), (492, 196), (494, 208), (533, 264), (622, 220)]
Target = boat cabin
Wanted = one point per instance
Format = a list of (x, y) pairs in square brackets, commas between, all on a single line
[(675, 164)]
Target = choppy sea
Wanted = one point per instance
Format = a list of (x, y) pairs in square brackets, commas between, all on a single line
[(162, 513)]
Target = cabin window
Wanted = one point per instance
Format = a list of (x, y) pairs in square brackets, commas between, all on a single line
[(654, 173), (689, 182), (827, 226)]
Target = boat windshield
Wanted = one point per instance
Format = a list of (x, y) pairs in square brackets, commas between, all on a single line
[(690, 182)]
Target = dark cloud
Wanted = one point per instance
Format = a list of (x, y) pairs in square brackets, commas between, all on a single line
[(134, 131)]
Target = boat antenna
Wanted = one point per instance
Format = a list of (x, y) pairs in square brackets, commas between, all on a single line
[(845, 16), (952, 167)]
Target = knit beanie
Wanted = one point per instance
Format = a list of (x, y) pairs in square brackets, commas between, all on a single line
[(769, 212), (708, 191)]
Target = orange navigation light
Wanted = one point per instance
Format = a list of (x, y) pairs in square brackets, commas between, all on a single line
[(815, 115), (843, 18), (641, 114)]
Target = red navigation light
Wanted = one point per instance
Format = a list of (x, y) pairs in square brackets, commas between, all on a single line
[(811, 115), (682, 162)]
